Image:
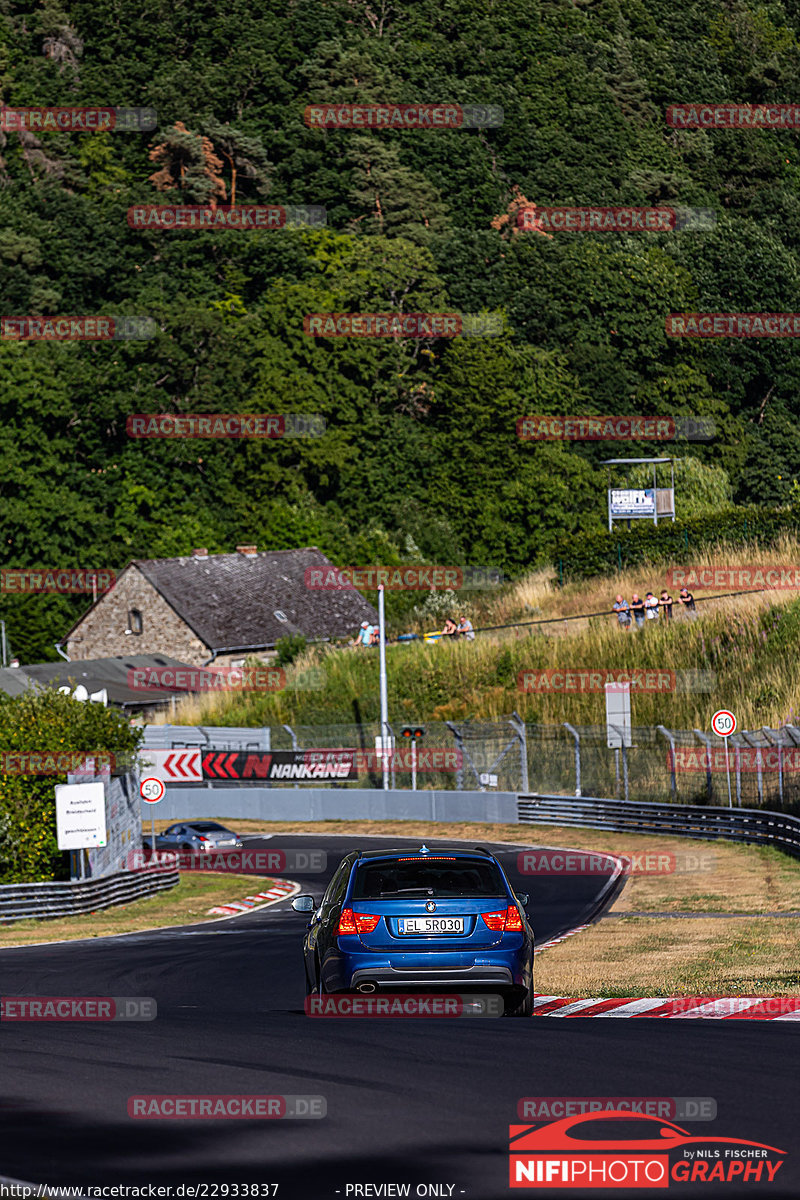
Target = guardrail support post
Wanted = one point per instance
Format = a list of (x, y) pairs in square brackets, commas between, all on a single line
[(571, 729)]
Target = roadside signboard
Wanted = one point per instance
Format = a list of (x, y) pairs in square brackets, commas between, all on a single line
[(618, 715), (173, 766), (723, 724), (632, 502), (152, 791), (81, 815)]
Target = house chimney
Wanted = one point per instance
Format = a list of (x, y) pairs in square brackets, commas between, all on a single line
[(247, 551), (200, 553)]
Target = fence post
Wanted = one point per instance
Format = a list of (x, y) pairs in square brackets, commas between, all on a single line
[(749, 741), (293, 736), (518, 725), (625, 769), (706, 740), (769, 734), (571, 729), (460, 747), (673, 780)]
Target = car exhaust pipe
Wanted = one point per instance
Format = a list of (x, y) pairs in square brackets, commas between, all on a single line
[(367, 987)]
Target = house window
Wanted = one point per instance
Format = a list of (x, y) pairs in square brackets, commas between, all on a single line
[(135, 621)]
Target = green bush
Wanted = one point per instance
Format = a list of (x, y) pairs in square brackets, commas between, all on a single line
[(48, 722), (290, 648), (584, 555)]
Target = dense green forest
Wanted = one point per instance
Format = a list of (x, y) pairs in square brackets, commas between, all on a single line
[(420, 460)]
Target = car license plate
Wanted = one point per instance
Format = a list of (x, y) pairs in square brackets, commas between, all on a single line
[(431, 924)]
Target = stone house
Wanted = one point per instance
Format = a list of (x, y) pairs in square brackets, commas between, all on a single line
[(215, 608)]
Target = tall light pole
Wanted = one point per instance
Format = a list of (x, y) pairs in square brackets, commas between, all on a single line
[(384, 697)]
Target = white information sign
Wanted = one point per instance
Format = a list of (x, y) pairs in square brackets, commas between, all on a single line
[(618, 715), (633, 502), (81, 815)]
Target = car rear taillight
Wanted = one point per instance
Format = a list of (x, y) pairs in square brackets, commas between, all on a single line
[(506, 921), (513, 920), (356, 923)]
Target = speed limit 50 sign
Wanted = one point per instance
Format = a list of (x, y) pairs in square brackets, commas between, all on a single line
[(723, 723), (152, 790)]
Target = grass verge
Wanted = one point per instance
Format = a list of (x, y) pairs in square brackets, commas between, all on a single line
[(186, 904)]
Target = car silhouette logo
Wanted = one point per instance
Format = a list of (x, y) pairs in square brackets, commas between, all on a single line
[(430, 906)]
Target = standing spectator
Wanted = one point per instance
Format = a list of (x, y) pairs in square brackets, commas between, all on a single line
[(651, 604), (465, 628), (666, 604), (623, 613), (687, 600), (637, 608)]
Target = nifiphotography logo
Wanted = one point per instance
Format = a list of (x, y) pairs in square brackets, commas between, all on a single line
[(623, 1149)]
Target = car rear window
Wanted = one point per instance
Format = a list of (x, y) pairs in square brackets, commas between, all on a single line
[(208, 826), (441, 878)]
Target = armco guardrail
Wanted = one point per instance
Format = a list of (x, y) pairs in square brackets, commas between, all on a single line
[(756, 825), (19, 901)]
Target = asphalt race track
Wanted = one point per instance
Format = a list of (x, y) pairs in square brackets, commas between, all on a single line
[(408, 1101)]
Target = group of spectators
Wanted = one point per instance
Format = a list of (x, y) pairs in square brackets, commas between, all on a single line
[(462, 629), (370, 635), (652, 608)]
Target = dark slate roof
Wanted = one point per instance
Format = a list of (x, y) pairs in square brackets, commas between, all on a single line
[(230, 600), (14, 681), (109, 673)]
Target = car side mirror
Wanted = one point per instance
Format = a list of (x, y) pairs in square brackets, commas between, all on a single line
[(524, 899), (304, 904)]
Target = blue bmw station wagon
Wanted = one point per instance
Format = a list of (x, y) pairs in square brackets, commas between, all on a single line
[(444, 920)]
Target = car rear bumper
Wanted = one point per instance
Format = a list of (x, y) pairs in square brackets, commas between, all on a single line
[(390, 979)]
